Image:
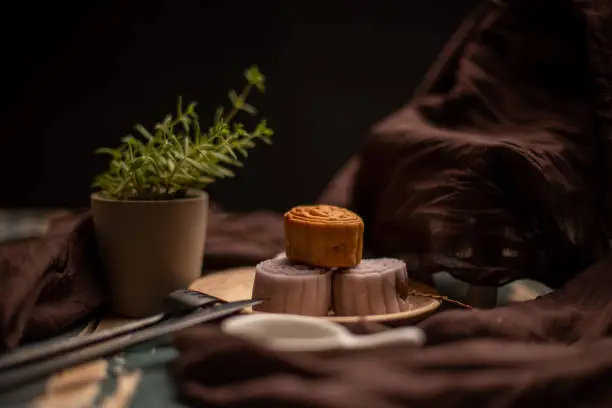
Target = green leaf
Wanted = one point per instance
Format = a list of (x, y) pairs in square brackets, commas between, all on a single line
[(230, 151), (249, 109), (256, 78), (144, 132), (182, 179), (191, 109), (219, 114), (243, 152), (131, 141), (206, 180), (171, 164), (105, 150), (236, 101), (262, 128), (223, 158), (224, 172), (119, 166), (199, 166), (248, 144), (137, 163)]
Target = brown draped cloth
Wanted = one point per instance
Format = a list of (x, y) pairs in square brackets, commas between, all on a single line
[(552, 350), (49, 284), (497, 169)]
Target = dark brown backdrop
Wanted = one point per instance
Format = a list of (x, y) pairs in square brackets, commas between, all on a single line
[(78, 75)]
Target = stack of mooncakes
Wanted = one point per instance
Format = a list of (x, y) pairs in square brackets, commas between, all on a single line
[(322, 270)]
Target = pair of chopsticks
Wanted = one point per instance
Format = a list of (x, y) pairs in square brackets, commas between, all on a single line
[(39, 360)]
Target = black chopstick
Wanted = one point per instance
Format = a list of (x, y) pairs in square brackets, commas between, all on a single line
[(53, 347), (181, 301), (23, 374)]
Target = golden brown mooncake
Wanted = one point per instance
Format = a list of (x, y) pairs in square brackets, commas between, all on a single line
[(323, 235)]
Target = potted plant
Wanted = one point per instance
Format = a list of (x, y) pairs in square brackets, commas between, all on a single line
[(150, 210)]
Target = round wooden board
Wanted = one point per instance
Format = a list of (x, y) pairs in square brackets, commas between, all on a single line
[(237, 284)]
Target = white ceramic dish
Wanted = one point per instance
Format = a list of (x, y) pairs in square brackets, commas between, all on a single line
[(287, 332)]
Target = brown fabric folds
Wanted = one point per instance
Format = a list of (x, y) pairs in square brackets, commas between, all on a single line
[(242, 239), (48, 284), (497, 169), (554, 351), (493, 172)]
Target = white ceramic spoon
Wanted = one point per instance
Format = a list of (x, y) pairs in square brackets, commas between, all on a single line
[(289, 332)]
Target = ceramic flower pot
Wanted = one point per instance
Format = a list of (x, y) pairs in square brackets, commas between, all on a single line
[(149, 248)]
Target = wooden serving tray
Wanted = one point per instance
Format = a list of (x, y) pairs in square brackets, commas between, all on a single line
[(237, 284)]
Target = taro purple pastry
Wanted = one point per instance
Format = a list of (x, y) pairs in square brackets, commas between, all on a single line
[(292, 288), (374, 287)]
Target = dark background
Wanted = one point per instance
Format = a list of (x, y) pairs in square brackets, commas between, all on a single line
[(78, 75)]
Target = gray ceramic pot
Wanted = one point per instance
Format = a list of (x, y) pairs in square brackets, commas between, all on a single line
[(149, 248)]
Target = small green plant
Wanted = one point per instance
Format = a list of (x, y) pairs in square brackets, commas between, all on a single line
[(178, 155)]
